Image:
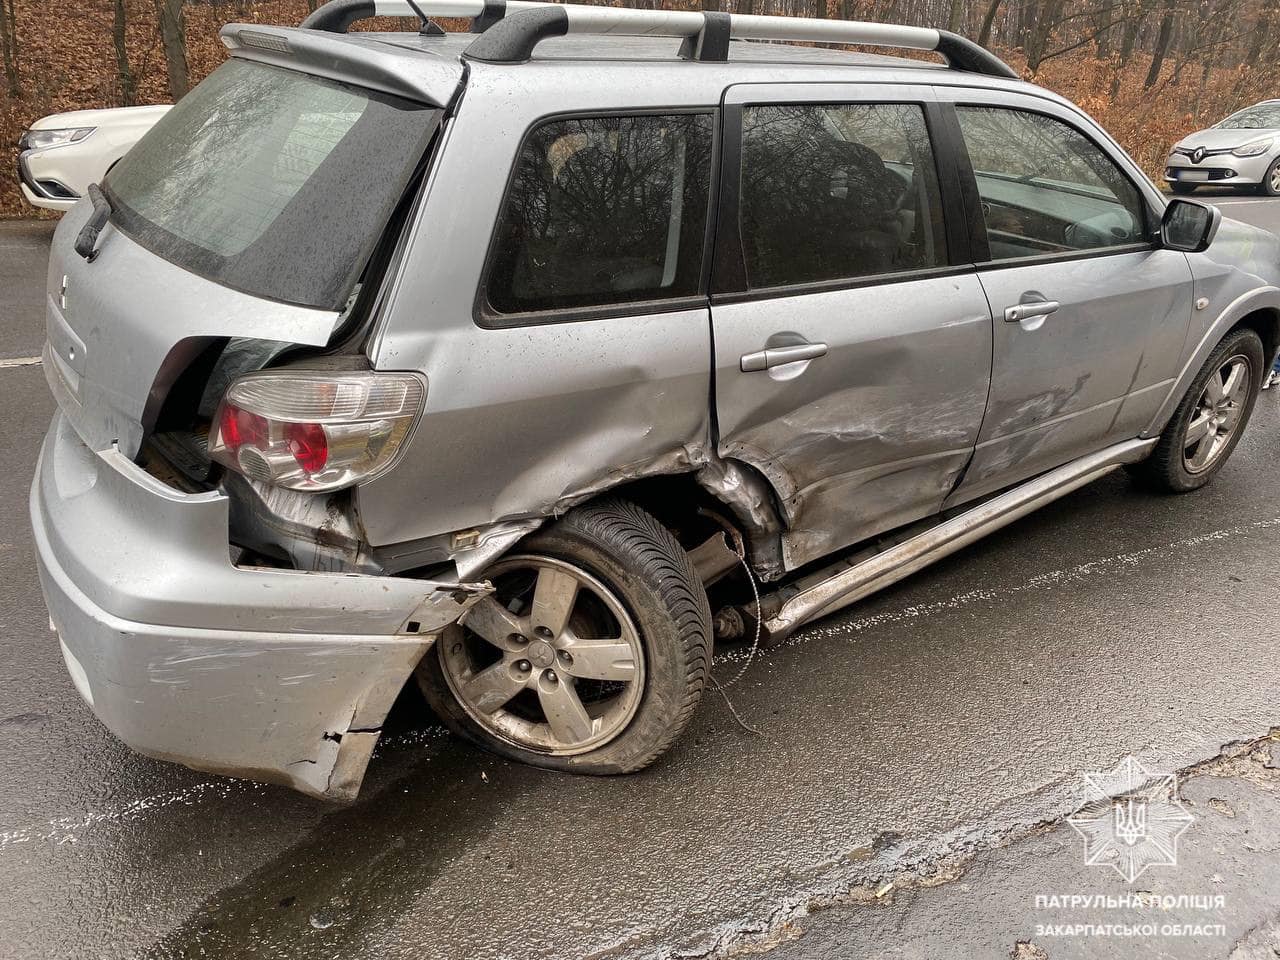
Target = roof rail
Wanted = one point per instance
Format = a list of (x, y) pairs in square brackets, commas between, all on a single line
[(511, 29)]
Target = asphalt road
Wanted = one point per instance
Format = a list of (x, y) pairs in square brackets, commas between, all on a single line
[(947, 719)]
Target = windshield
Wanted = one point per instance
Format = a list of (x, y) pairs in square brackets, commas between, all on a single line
[(1261, 116), (270, 181)]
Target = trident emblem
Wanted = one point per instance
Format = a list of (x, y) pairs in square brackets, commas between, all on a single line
[(1131, 820)]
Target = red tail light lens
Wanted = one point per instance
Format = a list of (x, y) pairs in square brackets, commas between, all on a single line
[(314, 430), (309, 445), (241, 427)]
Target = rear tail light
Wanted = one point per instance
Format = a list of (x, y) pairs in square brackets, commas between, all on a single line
[(315, 430)]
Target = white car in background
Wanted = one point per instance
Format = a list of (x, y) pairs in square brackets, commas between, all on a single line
[(61, 154)]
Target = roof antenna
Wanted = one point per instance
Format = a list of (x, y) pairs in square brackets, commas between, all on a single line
[(429, 28)]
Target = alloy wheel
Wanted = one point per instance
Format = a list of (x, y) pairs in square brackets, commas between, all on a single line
[(1275, 178), (1217, 414), (552, 662)]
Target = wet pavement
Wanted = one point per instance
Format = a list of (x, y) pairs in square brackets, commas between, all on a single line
[(945, 720)]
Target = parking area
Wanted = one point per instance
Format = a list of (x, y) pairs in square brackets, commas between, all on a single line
[(929, 739)]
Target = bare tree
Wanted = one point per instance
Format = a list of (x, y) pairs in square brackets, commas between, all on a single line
[(988, 21), (173, 38), (124, 72), (9, 47), (1162, 44)]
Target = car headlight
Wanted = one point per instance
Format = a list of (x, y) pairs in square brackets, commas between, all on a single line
[(1254, 149), (40, 139)]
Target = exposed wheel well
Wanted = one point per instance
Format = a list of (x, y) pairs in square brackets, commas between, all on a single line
[(1266, 324), (675, 501)]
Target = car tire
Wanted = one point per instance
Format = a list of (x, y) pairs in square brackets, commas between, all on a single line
[(633, 581), (1206, 415), (1182, 189), (1270, 185)]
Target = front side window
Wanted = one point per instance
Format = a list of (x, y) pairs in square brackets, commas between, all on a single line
[(604, 210), (834, 192), (1045, 187)]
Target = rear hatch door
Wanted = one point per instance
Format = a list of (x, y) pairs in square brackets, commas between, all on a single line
[(249, 210)]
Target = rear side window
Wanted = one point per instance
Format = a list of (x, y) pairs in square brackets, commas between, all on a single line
[(273, 182), (1046, 188), (833, 192), (604, 210)]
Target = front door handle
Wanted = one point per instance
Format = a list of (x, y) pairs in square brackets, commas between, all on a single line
[(777, 356), (1025, 311)]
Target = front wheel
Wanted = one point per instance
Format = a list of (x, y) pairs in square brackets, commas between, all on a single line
[(1210, 420), (1270, 185), (590, 656)]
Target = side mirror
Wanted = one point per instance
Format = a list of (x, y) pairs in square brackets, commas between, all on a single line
[(1189, 226)]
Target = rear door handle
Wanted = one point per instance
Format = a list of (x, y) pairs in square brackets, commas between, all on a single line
[(777, 356), (1025, 311)]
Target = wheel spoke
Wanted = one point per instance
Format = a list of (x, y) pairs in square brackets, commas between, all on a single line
[(1213, 389), (1204, 453), (568, 718), (493, 622), (492, 688), (600, 659), (1197, 430), (1237, 377), (553, 599)]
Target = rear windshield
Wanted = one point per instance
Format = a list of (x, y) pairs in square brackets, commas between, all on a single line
[(272, 182)]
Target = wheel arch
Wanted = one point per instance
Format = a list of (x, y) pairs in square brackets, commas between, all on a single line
[(695, 503), (1258, 310), (1266, 324)]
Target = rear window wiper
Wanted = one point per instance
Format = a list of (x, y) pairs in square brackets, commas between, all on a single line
[(87, 240)]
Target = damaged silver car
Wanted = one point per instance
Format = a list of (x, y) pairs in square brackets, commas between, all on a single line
[(522, 364)]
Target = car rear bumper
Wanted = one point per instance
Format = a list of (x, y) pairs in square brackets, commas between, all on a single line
[(1225, 169), (280, 676)]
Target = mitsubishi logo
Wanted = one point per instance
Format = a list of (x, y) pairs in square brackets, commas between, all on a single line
[(62, 295), (1197, 154)]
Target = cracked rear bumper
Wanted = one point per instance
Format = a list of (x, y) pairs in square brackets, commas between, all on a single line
[(274, 675)]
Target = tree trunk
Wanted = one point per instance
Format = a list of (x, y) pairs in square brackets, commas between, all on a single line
[(1261, 33), (9, 47), (173, 37), (124, 72), (988, 21), (1162, 45), (1039, 29), (955, 22), (1104, 33), (1127, 40)]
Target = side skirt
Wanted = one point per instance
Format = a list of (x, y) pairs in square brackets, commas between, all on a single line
[(843, 583)]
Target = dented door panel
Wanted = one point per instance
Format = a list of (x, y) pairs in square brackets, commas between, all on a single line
[(874, 434)]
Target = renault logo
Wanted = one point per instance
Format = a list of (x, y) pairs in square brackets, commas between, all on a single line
[(1197, 154)]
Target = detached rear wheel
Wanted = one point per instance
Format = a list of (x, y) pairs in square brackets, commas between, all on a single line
[(1211, 418), (590, 656)]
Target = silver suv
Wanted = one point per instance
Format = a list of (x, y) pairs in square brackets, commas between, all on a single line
[(529, 361)]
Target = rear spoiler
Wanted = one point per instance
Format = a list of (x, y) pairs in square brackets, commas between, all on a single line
[(357, 60)]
